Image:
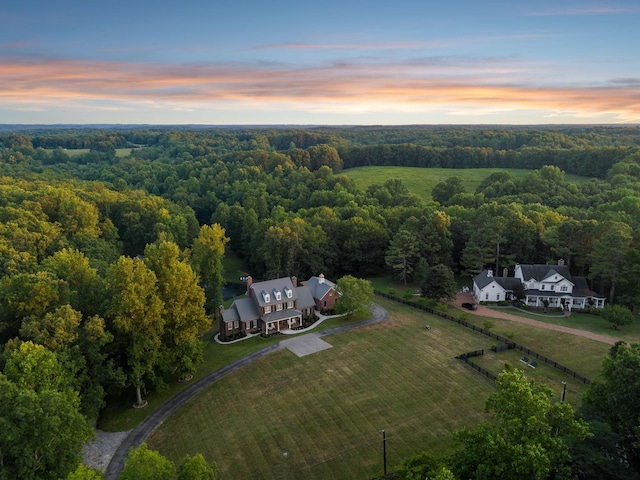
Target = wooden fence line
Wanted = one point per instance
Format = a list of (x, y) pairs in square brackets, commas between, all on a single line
[(483, 331)]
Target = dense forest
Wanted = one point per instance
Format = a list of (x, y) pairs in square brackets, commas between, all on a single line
[(111, 241)]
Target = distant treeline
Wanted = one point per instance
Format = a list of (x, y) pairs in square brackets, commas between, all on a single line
[(587, 151), (586, 161)]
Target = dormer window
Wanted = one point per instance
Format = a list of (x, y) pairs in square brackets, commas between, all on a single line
[(288, 292), (266, 297), (277, 294)]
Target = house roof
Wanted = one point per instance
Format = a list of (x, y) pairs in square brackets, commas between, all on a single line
[(280, 315), (319, 286), (581, 288), (305, 298), (249, 308), (243, 309), (483, 279), (544, 272), (269, 287)]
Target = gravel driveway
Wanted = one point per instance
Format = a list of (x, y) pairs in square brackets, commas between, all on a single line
[(487, 312)]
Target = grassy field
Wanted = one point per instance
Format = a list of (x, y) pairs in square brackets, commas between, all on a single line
[(119, 416), (421, 181), (120, 152), (320, 416)]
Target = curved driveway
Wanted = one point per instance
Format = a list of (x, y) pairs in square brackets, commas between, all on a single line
[(486, 312), (149, 424)]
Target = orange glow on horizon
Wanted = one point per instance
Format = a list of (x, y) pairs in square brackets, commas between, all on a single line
[(27, 85)]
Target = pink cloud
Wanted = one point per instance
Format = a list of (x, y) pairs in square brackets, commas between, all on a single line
[(490, 87)]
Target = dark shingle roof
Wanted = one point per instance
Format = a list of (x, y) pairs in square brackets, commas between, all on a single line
[(319, 286), (581, 288), (541, 272), (269, 286), (483, 279)]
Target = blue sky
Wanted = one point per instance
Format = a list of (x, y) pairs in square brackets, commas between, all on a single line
[(332, 62)]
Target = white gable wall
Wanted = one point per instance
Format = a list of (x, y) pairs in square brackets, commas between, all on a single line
[(490, 293)]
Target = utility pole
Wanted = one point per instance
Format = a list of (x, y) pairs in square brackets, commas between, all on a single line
[(564, 391)]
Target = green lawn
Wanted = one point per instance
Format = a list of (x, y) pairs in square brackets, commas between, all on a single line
[(119, 416), (421, 181), (326, 410)]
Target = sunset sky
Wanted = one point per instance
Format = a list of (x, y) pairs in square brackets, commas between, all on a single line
[(326, 62)]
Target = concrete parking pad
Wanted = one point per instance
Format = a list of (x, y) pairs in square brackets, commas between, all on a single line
[(305, 344)]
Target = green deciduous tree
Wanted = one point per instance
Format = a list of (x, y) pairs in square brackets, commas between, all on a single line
[(609, 253), (136, 310), (80, 346), (417, 467), (438, 283), (207, 255), (41, 427), (402, 255), (28, 295), (85, 286), (197, 468), (528, 437), (356, 295), (82, 472), (185, 320), (145, 464), (444, 191), (617, 315), (615, 398)]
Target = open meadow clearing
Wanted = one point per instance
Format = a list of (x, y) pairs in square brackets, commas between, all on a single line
[(320, 416), (420, 181)]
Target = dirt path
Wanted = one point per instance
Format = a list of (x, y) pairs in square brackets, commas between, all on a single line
[(486, 312)]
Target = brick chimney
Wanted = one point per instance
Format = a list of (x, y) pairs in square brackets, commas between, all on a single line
[(561, 262), (321, 278), (505, 272), (249, 283), (294, 281)]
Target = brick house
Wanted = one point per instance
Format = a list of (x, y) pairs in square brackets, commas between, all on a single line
[(274, 305)]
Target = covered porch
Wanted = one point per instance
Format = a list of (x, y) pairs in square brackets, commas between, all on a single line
[(282, 320)]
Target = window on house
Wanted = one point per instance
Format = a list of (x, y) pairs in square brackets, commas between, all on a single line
[(563, 288), (278, 307), (267, 309), (266, 297), (486, 296), (289, 304), (277, 294), (542, 287), (288, 292), (553, 287)]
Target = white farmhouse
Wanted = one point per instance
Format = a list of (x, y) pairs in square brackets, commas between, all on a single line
[(550, 284)]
